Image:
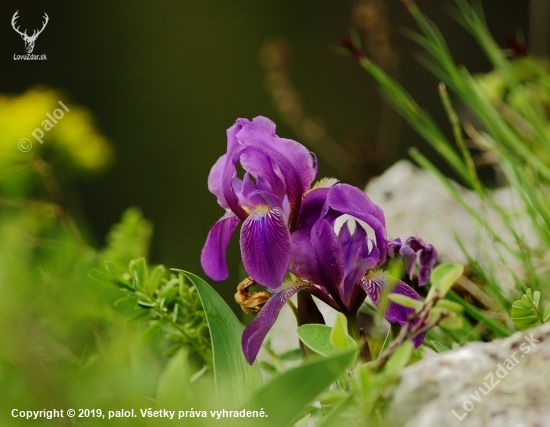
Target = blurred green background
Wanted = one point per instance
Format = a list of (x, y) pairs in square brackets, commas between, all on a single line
[(165, 80)]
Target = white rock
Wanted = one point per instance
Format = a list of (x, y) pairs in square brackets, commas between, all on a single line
[(430, 390)]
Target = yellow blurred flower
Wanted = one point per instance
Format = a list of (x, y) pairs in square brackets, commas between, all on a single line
[(74, 135)]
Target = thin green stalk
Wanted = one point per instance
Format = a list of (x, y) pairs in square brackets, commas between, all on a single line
[(457, 132)]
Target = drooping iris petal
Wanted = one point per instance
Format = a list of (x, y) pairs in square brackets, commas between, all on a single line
[(265, 246), (213, 253), (377, 289), (317, 256), (215, 181), (346, 199), (256, 331)]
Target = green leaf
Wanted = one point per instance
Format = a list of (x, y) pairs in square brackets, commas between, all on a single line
[(400, 358), (98, 275), (440, 348), (122, 284), (386, 343), (284, 398), (174, 386), (546, 314), (290, 355), (452, 322), (138, 270), (536, 299), (304, 422), (317, 338), (339, 333), (151, 331), (112, 269), (525, 312), (154, 280), (526, 301), (230, 367), (138, 317), (449, 305), (445, 275), (405, 301), (335, 417), (332, 397)]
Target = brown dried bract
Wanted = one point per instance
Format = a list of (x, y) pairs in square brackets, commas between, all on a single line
[(250, 303)]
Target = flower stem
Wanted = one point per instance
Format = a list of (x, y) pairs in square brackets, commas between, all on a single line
[(352, 325)]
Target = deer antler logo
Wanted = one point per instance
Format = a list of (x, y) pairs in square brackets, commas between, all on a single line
[(29, 40)]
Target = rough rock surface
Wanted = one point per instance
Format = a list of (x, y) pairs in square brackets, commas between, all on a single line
[(458, 380)]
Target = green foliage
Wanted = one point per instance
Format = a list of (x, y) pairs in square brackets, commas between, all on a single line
[(339, 337), (400, 358), (128, 240), (232, 372), (319, 338), (444, 276), (285, 397), (405, 301), (174, 385), (527, 313), (166, 304)]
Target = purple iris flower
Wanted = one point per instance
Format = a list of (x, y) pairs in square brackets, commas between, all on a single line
[(338, 247), (278, 172)]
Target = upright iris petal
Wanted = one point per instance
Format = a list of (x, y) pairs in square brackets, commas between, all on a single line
[(348, 200), (278, 172)]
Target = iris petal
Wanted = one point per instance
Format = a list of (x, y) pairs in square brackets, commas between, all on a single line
[(256, 331), (377, 290), (215, 181), (213, 253), (413, 248), (294, 164), (265, 246), (311, 208), (317, 256), (346, 199)]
